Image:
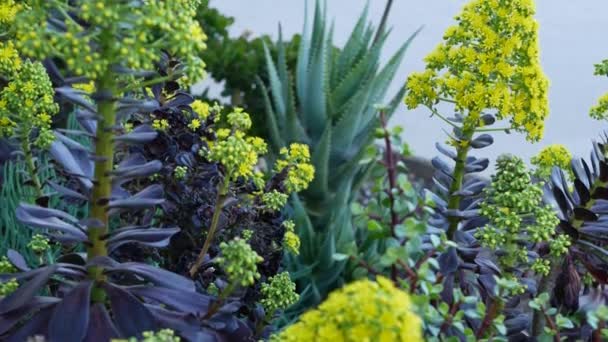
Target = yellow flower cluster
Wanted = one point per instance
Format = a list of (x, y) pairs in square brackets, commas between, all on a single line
[(27, 103), (300, 172), (237, 152), (160, 124), (154, 26), (361, 311), (201, 108), (291, 240), (550, 156), (10, 62), (8, 11), (488, 61), (600, 110)]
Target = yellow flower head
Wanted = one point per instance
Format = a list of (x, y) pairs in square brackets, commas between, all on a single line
[(488, 61), (360, 311), (300, 172), (550, 156), (201, 108)]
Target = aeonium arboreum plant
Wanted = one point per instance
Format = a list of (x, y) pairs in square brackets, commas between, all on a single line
[(216, 191), (488, 69), (92, 296)]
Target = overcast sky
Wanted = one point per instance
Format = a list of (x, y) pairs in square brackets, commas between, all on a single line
[(572, 38)]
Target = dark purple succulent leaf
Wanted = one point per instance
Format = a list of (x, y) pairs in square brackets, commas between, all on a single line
[(567, 228), (442, 166), (87, 120), (592, 248), (488, 119), (487, 283), (587, 171), (77, 97), (463, 214), (187, 325), (448, 261), (17, 260), (146, 198), (131, 317), (128, 107), (440, 187), (32, 216), (585, 214), (70, 319), (11, 319), (53, 71), (180, 99), (477, 165), (156, 275), (485, 262), (27, 291), (185, 159), (36, 325), (562, 201), (600, 193), (482, 141), (179, 300), (436, 199), (76, 163), (447, 295), (140, 135), (42, 212), (101, 327), (579, 171), (66, 192), (136, 166), (582, 191), (73, 259), (242, 332), (517, 324), (103, 261), (445, 151), (72, 272), (152, 237), (531, 287)]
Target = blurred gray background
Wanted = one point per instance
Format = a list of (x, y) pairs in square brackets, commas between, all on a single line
[(572, 38)]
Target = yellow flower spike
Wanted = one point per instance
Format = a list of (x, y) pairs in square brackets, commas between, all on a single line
[(486, 60)]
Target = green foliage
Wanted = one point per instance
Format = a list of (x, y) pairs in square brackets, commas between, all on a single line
[(237, 61), (327, 102)]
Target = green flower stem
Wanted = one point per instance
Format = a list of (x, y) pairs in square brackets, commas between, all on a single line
[(219, 204), (102, 187), (218, 303), (461, 157), (30, 165)]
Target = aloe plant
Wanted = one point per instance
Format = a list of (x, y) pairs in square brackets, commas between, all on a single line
[(332, 109)]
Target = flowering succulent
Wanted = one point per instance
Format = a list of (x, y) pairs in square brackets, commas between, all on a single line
[(489, 60), (8, 11), (154, 26), (550, 156), (239, 262), (180, 172), (296, 160), (360, 311), (237, 152), (160, 124), (201, 108), (39, 243), (274, 200), (8, 287), (10, 62), (517, 217), (600, 110), (291, 240), (26, 103), (278, 293)]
